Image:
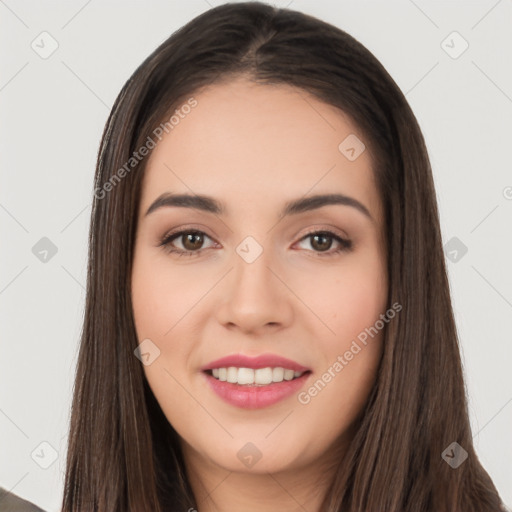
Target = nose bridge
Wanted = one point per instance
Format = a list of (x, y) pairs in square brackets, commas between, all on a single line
[(253, 263), (254, 296)]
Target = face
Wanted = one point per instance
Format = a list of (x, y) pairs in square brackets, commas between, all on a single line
[(231, 277)]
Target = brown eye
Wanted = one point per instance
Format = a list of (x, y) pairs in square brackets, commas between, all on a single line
[(192, 242), (322, 241)]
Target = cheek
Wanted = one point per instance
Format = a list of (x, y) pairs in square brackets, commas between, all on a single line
[(359, 302), (149, 300), (347, 298), (161, 300), (352, 299), (336, 396), (158, 307), (334, 400), (162, 296)]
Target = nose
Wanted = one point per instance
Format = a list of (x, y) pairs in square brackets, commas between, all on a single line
[(254, 297)]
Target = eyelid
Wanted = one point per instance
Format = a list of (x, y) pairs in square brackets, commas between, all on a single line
[(325, 228), (186, 229)]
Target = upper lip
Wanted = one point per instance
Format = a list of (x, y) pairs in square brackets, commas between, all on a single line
[(261, 361)]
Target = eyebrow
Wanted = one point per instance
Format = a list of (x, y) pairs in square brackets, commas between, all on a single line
[(212, 205)]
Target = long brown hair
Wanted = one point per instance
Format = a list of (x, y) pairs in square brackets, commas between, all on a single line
[(123, 454)]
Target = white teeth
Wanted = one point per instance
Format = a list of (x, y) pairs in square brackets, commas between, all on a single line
[(262, 375), (245, 376), (232, 375), (259, 377), (278, 374), (288, 374)]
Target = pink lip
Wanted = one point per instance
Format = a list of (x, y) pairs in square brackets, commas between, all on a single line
[(255, 397), (262, 361)]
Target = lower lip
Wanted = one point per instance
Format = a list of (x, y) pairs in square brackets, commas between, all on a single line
[(255, 397)]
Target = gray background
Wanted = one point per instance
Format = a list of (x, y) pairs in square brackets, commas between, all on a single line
[(53, 111)]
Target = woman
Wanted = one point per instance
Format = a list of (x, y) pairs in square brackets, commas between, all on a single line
[(268, 322)]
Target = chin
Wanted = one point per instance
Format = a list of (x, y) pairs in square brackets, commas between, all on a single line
[(258, 457)]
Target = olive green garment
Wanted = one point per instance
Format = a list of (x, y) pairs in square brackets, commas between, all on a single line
[(9, 502)]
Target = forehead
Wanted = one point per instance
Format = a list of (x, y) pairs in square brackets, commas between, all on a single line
[(244, 141)]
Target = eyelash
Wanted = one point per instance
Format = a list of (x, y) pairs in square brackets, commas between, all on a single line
[(165, 242)]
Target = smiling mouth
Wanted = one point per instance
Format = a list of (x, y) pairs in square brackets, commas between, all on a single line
[(255, 377)]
